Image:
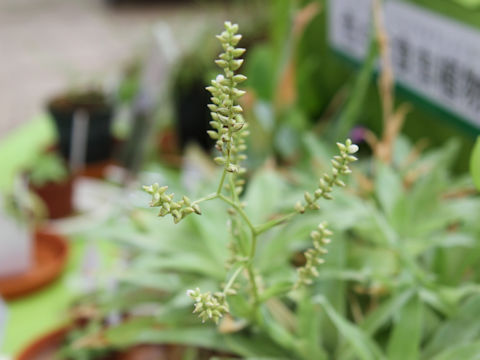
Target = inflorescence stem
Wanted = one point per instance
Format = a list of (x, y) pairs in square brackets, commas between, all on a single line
[(229, 130)]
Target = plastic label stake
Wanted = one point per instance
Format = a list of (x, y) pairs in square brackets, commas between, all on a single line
[(79, 140)]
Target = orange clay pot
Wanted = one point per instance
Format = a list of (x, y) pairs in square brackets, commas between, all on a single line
[(58, 197), (49, 259)]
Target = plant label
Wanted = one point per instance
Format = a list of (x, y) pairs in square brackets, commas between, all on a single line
[(434, 57), (16, 245)]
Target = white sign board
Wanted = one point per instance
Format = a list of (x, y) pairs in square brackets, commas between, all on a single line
[(433, 56)]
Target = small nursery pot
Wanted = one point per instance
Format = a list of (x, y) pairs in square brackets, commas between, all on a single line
[(58, 197), (193, 115), (100, 112)]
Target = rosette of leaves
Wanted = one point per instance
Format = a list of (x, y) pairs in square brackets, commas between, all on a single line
[(230, 132), (221, 258), (406, 274)]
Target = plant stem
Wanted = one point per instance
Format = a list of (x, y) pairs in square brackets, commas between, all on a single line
[(206, 198), (239, 210), (251, 273), (232, 188), (235, 203), (222, 180), (253, 282), (254, 246), (232, 280), (270, 224)]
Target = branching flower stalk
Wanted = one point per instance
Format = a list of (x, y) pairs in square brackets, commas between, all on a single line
[(229, 130), (314, 256)]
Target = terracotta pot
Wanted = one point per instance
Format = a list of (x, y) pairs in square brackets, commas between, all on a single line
[(97, 170), (58, 197), (50, 257), (46, 347)]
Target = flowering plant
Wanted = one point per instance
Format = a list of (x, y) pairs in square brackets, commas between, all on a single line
[(230, 131)]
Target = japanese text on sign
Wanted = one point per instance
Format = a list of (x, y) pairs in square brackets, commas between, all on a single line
[(433, 56)]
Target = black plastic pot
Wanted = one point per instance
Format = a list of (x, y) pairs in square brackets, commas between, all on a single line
[(99, 138), (193, 115)]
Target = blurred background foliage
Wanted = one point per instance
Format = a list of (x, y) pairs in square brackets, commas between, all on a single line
[(401, 277)]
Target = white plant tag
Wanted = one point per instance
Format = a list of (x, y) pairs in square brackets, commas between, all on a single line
[(16, 244), (433, 56)]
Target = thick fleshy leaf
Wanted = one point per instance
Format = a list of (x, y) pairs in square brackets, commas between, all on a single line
[(263, 194), (364, 347), (385, 312), (406, 336), (463, 351), (277, 289), (460, 329), (475, 164), (147, 330), (309, 329), (388, 188)]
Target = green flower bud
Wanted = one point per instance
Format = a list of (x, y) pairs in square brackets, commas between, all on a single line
[(212, 134), (308, 197), (221, 63), (299, 208), (341, 147), (187, 211), (219, 160), (196, 208), (236, 39)]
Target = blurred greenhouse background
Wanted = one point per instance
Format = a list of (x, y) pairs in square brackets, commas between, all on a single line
[(303, 175)]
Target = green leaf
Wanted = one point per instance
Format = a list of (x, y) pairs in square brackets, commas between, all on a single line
[(203, 229), (309, 329), (405, 339), (239, 306), (48, 167), (262, 195), (385, 311), (147, 330), (460, 329), (388, 188), (381, 315), (186, 262), (436, 300), (275, 331), (334, 291), (277, 289), (254, 346), (151, 280), (259, 71), (363, 346), (475, 164), (463, 352)]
